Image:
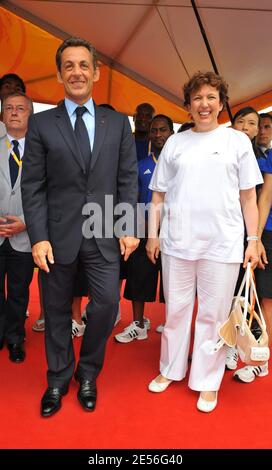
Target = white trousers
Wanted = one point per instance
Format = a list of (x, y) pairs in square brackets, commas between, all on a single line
[(214, 284)]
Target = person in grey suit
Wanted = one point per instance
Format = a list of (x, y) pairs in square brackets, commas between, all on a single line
[(75, 154), (3, 130), (16, 262)]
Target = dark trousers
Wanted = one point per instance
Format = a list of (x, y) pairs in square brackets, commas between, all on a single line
[(16, 271), (58, 292)]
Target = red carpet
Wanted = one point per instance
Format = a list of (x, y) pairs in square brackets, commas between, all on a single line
[(127, 414)]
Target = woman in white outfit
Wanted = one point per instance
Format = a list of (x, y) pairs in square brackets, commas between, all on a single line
[(205, 180)]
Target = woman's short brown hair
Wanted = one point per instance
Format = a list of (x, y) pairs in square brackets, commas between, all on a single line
[(205, 78)]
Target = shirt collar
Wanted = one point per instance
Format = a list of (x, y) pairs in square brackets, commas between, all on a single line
[(21, 141), (71, 106)]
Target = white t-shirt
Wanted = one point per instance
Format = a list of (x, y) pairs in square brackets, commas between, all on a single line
[(202, 174)]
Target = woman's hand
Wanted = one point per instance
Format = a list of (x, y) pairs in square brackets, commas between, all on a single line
[(251, 254), (153, 249)]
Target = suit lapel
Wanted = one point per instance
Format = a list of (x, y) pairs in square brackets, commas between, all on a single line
[(100, 130), (64, 125), (4, 161)]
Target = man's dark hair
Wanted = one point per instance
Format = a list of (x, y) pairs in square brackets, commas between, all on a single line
[(164, 118), (106, 105), (146, 106), (185, 126), (265, 115), (75, 42), (14, 77)]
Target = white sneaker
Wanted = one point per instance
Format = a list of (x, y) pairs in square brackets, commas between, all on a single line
[(249, 373), (231, 358), (77, 329), (147, 323), (131, 332), (160, 328)]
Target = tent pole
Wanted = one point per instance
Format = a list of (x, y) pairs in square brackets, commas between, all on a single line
[(204, 36)]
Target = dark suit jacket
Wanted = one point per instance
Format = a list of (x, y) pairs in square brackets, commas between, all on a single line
[(56, 185)]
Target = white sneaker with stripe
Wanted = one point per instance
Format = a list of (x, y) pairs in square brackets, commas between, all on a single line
[(231, 358), (249, 373), (131, 332), (77, 329)]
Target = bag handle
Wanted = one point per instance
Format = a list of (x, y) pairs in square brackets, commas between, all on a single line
[(257, 300), (249, 282)]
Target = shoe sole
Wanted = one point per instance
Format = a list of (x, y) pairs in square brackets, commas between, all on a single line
[(236, 377), (230, 368), (129, 341)]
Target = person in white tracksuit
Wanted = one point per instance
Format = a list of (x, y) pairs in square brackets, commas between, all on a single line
[(205, 180)]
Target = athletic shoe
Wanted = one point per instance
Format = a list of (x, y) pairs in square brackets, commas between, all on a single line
[(160, 328), (38, 325), (77, 329), (147, 323), (131, 332), (231, 358), (249, 373)]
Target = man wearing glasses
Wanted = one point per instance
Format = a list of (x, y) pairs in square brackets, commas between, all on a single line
[(16, 262)]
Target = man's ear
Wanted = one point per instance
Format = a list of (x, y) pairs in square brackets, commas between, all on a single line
[(59, 77), (96, 74)]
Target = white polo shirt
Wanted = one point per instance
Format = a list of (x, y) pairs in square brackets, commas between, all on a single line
[(202, 174)]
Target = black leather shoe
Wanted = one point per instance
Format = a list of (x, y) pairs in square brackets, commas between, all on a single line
[(87, 393), (16, 352), (51, 400)]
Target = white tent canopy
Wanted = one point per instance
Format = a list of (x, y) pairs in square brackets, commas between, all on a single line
[(159, 43)]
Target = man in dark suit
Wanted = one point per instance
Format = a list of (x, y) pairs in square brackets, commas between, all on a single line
[(75, 154)]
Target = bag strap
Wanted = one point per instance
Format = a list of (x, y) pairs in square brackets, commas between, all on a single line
[(257, 300), (249, 282), (239, 295)]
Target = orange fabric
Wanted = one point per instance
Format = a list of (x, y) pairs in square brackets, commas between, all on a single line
[(29, 51)]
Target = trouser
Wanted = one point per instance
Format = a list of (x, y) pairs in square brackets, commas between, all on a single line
[(215, 284), (58, 291), (16, 269)]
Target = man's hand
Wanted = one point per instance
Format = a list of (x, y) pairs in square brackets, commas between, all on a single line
[(128, 245), (42, 251), (11, 225), (153, 249)]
